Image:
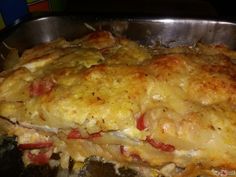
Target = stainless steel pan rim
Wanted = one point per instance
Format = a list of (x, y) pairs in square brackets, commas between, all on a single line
[(168, 31)]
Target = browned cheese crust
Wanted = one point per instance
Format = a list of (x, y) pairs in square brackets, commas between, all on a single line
[(111, 97)]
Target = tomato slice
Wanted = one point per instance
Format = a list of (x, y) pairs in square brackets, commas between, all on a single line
[(160, 145), (38, 145), (140, 124), (38, 159), (75, 134)]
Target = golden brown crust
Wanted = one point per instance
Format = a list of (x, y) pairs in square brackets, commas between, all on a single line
[(177, 105)]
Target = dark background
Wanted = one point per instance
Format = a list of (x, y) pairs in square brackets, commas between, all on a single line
[(180, 8)]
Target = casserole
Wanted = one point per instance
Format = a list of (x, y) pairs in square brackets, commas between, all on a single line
[(104, 95)]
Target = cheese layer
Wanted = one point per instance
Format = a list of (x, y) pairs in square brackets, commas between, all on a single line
[(185, 98)]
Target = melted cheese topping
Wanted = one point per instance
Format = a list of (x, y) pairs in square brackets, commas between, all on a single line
[(100, 83)]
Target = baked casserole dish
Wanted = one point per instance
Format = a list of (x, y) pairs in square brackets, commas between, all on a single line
[(161, 111)]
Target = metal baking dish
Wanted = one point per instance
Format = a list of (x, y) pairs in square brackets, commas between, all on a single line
[(166, 31)]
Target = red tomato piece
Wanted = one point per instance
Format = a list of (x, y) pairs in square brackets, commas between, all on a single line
[(38, 145), (38, 159), (74, 134), (160, 145), (140, 124)]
